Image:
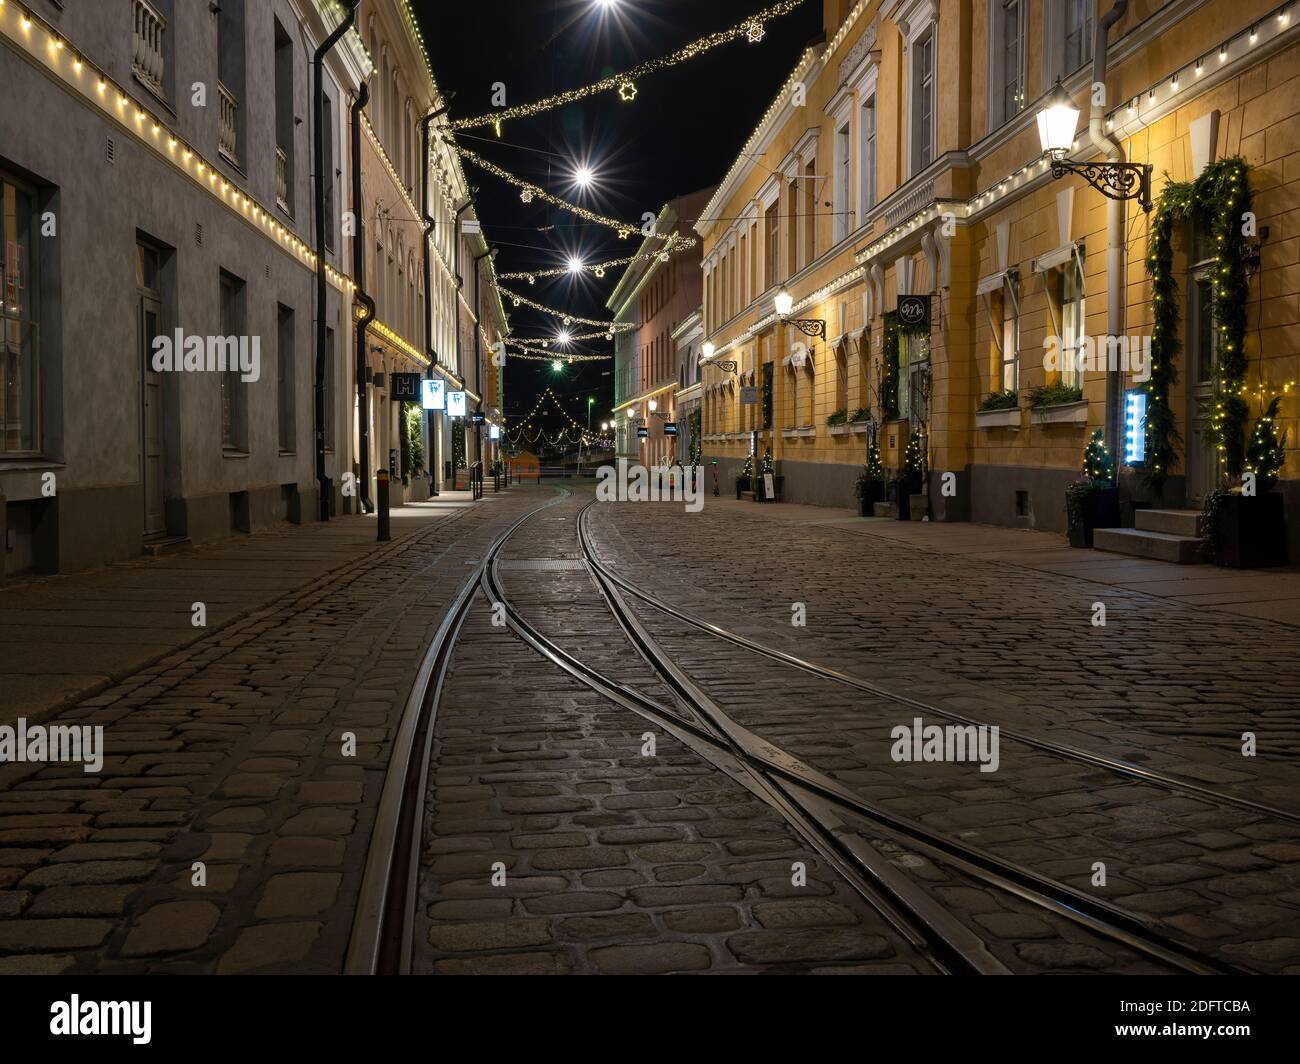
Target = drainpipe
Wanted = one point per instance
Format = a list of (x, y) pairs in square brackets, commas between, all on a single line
[(460, 283), (323, 485), (367, 304), (429, 225), (478, 350), (1116, 260)]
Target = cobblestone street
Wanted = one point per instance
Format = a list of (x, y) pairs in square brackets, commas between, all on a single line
[(609, 816)]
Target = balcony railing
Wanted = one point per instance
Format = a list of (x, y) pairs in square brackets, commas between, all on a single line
[(228, 125), (147, 64), (282, 180)]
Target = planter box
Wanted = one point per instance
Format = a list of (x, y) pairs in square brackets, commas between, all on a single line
[(1064, 414), (1250, 531), (872, 492), (742, 485), (837, 430), (902, 491), (859, 427), (998, 419), (760, 488), (917, 505), (1100, 510)]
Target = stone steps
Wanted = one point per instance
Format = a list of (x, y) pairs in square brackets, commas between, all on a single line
[(1186, 523), (1146, 543)]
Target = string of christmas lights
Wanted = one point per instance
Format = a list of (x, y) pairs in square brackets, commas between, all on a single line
[(529, 191), (752, 28), (569, 319), (533, 354), (584, 435), (672, 244)]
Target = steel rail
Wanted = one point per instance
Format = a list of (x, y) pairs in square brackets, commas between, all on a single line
[(1052, 895), (1116, 765), (382, 927)]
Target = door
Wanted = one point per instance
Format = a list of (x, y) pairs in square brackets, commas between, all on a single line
[(1202, 455), (151, 421)]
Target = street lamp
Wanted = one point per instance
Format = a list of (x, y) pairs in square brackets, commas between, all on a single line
[(1057, 123), (707, 350), (784, 303), (653, 406)]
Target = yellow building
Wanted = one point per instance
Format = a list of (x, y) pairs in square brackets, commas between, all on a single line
[(902, 156)]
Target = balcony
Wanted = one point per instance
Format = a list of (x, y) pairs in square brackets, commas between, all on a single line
[(147, 63), (282, 181), (228, 125)]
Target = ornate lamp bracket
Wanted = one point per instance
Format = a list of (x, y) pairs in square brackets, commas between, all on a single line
[(1118, 181)]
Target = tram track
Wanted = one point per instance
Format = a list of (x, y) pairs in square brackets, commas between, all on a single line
[(837, 823)]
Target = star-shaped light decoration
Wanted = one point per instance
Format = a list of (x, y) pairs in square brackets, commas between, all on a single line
[(599, 271), (627, 92), (531, 279), (623, 234), (526, 195), (754, 31)]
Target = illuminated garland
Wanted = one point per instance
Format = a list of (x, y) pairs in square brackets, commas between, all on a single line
[(569, 319), (533, 354), (752, 28), (624, 229), (674, 243), (583, 436)]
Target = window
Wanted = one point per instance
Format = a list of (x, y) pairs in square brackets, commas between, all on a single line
[(1078, 34), (234, 392), (810, 211), (792, 232), (20, 396), (915, 382), (330, 166), (1072, 323), (868, 134), (284, 127), (772, 221), (843, 184), (153, 60), (1008, 73), (230, 79), (1010, 334), (922, 101), (744, 273), (285, 379)]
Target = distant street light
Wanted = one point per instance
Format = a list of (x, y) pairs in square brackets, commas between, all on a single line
[(557, 366)]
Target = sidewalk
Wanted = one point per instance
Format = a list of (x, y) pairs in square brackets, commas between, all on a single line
[(67, 637), (1265, 594)]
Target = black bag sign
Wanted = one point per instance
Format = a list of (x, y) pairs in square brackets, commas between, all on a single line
[(914, 311)]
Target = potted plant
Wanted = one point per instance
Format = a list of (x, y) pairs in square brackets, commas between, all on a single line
[(870, 485), (1245, 527), (1092, 502), (745, 481), (912, 500)]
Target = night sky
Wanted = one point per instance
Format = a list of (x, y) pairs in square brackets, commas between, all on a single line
[(680, 134)]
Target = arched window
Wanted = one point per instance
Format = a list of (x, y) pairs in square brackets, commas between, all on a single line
[(379, 98)]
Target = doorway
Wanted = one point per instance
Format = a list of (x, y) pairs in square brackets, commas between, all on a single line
[(1202, 357), (152, 422)]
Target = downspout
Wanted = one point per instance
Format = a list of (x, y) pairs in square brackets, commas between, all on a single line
[(478, 351), (1116, 264), (429, 225), (460, 283), (367, 305), (324, 488)]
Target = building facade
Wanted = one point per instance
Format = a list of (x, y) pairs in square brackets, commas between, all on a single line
[(902, 157), (660, 292), (158, 192)]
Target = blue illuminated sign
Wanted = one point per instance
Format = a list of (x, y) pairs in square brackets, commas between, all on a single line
[(1135, 427)]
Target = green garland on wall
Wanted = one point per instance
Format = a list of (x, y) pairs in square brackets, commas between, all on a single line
[(697, 444), (457, 445), (1219, 200), (889, 371), (768, 373)]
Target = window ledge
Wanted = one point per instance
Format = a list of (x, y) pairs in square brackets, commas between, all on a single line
[(234, 452), (860, 426), (1061, 414), (29, 464), (839, 430), (1008, 418), (807, 431)]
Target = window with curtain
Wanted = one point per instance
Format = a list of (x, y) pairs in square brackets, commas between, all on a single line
[(1072, 323), (20, 386), (922, 101)]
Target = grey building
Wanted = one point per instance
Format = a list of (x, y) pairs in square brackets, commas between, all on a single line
[(156, 177)]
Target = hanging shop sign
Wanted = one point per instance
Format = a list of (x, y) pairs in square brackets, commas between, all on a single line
[(494, 432), (1135, 427), (455, 404), (670, 428), (642, 433), (748, 396), (406, 388), (477, 417), (914, 311), (434, 394)]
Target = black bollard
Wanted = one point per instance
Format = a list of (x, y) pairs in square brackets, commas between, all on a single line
[(382, 506)]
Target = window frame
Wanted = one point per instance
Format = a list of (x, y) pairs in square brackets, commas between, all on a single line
[(31, 272)]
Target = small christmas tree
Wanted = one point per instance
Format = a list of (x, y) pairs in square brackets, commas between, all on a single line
[(748, 471), (915, 460), (875, 468), (1265, 453), (767, 460), (1098, 465)]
